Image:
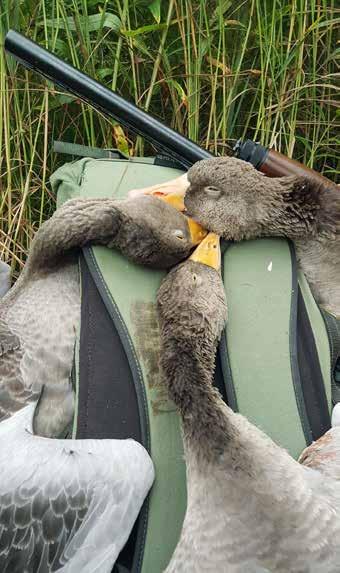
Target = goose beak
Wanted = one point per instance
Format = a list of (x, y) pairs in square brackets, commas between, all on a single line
[(208, 252), (197, 232), (175, 199), (176, 187)]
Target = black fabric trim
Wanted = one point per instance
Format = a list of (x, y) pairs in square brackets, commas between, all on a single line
[(312, 382), (108, 404), (219, 377), (126, 342), (223, 379), (230, 393), (333, 331), (293, 348)]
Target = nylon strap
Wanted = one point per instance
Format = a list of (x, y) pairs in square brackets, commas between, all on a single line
[(68, 148), (108, 402), (311, 377), (230, 392)]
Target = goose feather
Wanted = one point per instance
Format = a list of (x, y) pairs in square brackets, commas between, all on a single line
[(66, 505)]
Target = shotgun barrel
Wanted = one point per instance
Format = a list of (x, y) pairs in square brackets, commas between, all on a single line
[(182, 149), (101, 98)]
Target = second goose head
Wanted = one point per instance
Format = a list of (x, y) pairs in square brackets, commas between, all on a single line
[(147, 230), (154, 231), (230, 197)]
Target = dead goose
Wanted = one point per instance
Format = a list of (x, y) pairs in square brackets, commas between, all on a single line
[(5, 278), (230, 197), (250, 507), (66, 505), (40, 314)]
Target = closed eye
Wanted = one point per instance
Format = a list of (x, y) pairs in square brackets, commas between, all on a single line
[(213, 192), (179, 234)]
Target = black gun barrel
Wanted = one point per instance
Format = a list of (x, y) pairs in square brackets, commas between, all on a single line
[(101, 98)]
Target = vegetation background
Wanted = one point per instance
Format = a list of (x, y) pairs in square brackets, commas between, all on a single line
[(213, 70)]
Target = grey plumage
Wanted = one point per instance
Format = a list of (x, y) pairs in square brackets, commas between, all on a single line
[(146, 230), (66, 505), (40, 315), (251, 507), (5, 278), (233, 199)]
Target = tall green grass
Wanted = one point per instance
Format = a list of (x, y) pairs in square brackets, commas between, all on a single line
[(215, 71)]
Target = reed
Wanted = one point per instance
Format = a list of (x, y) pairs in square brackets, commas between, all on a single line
[(215, 71)]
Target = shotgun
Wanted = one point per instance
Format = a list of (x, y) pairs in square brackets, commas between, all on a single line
[(182, 149), (33, 56)]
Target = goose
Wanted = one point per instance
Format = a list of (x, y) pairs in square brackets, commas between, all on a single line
[(66, 505), (230, 197), (5, 278), (250, 506), (40, 315)]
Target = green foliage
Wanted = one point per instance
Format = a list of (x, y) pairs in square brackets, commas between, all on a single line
[(155, 9), (215, 71)]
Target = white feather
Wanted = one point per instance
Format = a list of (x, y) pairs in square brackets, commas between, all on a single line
[(106, 479), (336, 415)]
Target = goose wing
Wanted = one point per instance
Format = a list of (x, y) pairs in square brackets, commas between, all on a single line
[(66, 505), (9, 342), (13, 393)]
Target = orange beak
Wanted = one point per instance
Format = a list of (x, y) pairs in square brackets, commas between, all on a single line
[(197, 232), (208, 252), (175, 199), (173, 192), (177, 186)]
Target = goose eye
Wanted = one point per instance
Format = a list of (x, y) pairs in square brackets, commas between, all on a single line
[(179, 234), (196, 280), (212, 191)]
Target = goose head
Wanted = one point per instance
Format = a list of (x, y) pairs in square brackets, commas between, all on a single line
[(149, 230), (191, 298), (230, 197), (155, 232)]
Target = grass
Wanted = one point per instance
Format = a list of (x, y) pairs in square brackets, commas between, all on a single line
[(215, 71)]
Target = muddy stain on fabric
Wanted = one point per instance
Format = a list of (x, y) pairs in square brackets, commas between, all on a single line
[(147, 341), (146, 335)]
